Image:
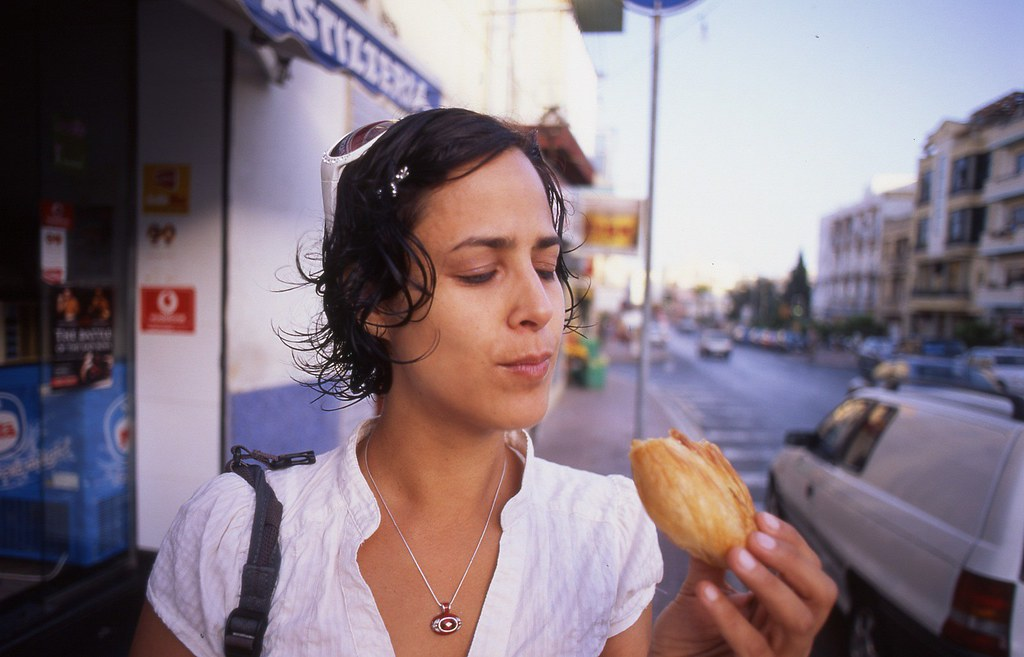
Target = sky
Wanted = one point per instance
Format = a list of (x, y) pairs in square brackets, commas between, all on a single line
[(772, 115)]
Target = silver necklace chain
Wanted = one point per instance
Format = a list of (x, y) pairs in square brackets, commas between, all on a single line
[(494, 502)]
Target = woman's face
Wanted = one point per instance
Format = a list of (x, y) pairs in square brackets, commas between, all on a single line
[(493, 327)]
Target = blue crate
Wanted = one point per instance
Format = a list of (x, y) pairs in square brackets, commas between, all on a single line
[(64, 484)]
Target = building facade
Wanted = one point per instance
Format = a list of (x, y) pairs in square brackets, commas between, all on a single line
[(966, 248), (894, 277), (850, 281), (1000, 295)]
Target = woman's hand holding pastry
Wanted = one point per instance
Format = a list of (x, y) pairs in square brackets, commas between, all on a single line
[(788, 602), (696, 497)]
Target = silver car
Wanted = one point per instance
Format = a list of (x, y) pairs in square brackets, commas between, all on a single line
[(914, 499), (1005, 363), (714, 342)]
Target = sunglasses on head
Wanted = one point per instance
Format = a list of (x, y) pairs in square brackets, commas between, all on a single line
[(347, 150)]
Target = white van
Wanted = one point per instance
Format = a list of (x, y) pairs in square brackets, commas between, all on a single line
[(915, 502)]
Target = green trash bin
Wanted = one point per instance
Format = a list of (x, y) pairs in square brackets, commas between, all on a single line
[(594, 375)]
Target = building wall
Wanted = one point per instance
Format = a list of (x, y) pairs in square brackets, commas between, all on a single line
[(279, 131), (178, 374)]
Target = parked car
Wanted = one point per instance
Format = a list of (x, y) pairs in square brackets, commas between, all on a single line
[(912, 499), (1006, 364), (928, 371), (714, 342), (872, 351)]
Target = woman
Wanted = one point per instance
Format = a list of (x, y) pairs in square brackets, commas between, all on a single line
[(434, 529)]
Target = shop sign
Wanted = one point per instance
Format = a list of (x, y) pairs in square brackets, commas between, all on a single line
[(166, 188), (82, 336), (168, 309), (613, 230), (337, 41)]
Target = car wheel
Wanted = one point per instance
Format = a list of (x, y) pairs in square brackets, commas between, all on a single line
[(865, 633)]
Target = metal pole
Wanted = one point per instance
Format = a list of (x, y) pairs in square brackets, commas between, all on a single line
[(639, 430)]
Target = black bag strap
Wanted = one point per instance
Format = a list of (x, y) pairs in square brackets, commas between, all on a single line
[(246, 625)]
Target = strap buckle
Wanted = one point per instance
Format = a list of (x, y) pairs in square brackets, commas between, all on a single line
[(288, 460), (243, 633)]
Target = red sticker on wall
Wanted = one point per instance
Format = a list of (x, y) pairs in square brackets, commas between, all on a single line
[(168, 309)]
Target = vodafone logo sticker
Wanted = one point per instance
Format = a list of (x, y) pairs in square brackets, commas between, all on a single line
[(168, 309), (167, 302)]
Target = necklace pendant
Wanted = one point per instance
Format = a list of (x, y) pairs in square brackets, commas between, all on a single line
[(446, 622)]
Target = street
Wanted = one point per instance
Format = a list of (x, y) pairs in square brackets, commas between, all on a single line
[(745, 404)]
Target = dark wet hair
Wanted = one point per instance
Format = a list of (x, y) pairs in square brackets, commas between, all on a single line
[(371, 261)]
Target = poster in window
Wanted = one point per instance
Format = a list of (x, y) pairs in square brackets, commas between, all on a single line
[(82, 337)]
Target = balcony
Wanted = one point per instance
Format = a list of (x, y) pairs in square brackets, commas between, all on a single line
[(940, 300), (1002, 242), (997, 190), (1010, 296)]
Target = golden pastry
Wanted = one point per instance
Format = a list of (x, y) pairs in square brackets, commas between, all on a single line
[(693, 494)]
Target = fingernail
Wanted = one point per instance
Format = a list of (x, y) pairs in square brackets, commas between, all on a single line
[(771, 521), (765, 541), (746, 560), (710, 592)]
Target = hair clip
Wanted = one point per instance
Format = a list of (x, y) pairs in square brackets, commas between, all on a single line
[(399, 176)]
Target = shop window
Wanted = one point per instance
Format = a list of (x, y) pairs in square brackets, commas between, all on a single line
[(66, 496)]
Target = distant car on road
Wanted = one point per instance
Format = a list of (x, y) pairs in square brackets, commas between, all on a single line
[(912, 499), (927, 371), (946, 348), (1005, 363), (714, 342)]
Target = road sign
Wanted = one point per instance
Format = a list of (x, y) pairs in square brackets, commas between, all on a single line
[(652, 7)]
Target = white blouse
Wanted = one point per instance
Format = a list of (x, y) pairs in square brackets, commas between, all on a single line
[(578, 562)]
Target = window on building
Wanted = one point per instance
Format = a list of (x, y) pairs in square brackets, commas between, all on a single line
[(978, 221), (961, 174), (924, 188), (922, 234), (969, 173), (1019, 168), (966, 226), (959, 221), (1016, 221)]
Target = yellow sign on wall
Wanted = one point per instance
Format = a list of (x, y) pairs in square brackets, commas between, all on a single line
[(612, 230), (166, 188)]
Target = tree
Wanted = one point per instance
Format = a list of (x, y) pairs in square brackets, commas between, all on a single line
[(759, 301), (797, 295)]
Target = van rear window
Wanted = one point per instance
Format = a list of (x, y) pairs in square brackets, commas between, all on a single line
[(943, 466)]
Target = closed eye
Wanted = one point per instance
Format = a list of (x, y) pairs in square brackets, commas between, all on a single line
[(477, 279)]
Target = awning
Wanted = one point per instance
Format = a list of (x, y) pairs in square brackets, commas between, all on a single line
[(562, 152), (341, 40)]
